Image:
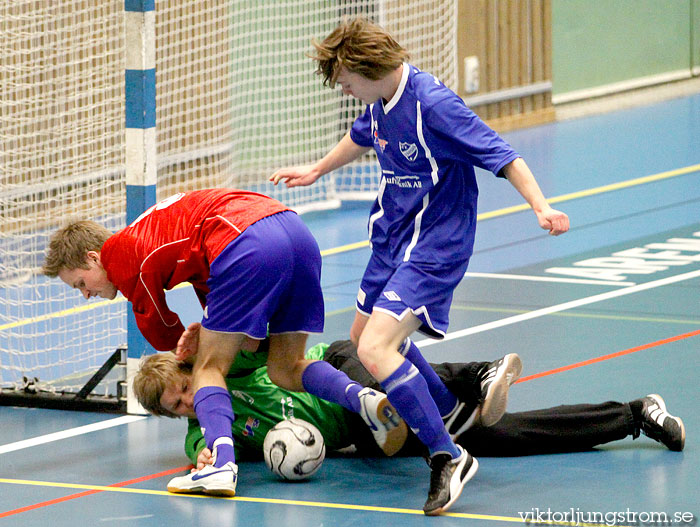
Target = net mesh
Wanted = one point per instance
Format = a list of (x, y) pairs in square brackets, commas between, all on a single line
[(236, 99)]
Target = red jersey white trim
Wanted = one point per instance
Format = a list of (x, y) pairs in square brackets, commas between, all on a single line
[(175, 242)]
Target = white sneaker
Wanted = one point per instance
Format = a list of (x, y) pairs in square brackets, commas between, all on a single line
[(217, 481), (389, 430), (495, 381)]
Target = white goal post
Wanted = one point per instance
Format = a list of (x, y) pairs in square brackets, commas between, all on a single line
[(236, 98)]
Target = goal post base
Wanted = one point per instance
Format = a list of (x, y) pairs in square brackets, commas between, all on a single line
[(31, 395), (59, 401)]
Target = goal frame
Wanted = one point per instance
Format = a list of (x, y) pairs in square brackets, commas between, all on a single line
[(85, 144)]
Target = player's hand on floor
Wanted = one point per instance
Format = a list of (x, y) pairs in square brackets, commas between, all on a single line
[(295, 176), (204, 458), (189, 342)]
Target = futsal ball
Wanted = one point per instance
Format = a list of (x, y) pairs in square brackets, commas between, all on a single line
[(294, 449)]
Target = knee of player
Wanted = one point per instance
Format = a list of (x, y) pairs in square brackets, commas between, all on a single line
[(370, 354)]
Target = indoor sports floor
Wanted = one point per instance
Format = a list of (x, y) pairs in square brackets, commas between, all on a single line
[(592, 319)]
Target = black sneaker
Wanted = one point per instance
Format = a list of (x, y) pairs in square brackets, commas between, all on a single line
[(661, 426), (447, 479), (495, 382)]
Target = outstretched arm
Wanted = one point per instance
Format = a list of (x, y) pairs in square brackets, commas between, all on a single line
[(341, 154), (520, 176)]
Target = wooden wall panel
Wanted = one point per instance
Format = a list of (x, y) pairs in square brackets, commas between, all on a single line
[(512, 40)]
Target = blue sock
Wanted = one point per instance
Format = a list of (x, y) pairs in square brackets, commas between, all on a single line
[(408, 393), (444, 398), (324, 381), (213, 407)]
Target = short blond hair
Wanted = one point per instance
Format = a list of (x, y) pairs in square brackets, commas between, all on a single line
[(361, 47), (155, 374), (69, 246)]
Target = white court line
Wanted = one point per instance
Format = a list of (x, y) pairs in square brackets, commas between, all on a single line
[(560, 307), (11, 447), (546, 279), (72, 432)]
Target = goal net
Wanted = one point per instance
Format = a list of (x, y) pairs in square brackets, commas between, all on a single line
[(236, 98)]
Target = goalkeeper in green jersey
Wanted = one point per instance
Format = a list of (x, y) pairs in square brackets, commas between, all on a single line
[(164, 387)]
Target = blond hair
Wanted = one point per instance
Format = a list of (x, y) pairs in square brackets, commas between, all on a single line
[(361, 47), (69, 246), (155, 374)]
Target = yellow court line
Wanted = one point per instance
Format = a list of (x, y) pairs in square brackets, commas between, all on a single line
[(277, 501), (345, 248), (340, 311), (72, 311), (62, 313), (557, 199), (359, 245)]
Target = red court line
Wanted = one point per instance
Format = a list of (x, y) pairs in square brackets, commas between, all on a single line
[(88, 492), (610, 356)]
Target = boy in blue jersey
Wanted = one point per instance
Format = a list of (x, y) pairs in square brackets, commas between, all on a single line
[(421, 226)]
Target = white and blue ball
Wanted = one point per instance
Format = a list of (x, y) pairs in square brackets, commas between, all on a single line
[(294, 449)]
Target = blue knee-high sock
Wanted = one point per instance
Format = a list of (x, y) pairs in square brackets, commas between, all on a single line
[(444, 398), (212, 405), (324, 381), (408, 393)]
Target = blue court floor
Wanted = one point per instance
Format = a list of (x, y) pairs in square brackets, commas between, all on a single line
[(593, 315)]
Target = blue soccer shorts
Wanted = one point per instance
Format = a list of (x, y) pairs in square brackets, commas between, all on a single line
[(423, 289), (270, 274)]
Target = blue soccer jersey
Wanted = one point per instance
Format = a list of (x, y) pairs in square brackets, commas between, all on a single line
[(428, 143)]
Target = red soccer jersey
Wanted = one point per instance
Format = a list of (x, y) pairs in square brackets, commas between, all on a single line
[(174, 242)]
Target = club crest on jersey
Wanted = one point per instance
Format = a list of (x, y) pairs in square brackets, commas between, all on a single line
[(251, 424), (409, 151), (381, 142)]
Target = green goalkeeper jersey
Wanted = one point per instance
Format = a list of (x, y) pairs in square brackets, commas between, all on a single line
[(258, 405)]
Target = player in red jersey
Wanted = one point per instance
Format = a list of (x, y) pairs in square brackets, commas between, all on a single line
[(255, 267)]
